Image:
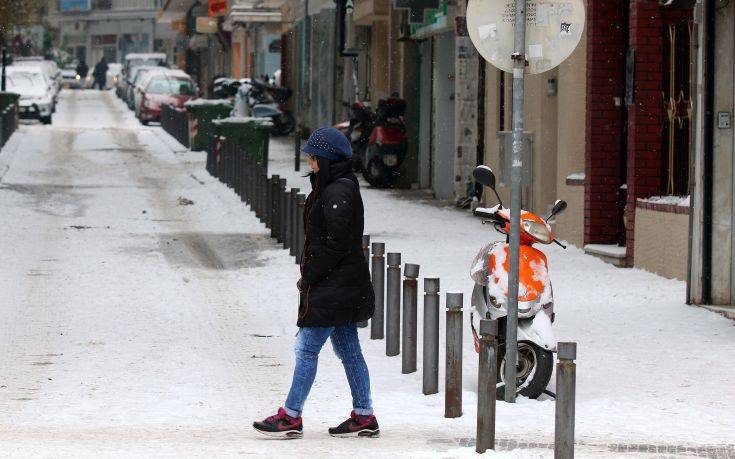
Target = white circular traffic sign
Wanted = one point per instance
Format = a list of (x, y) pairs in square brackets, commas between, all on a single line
[(553, 30)]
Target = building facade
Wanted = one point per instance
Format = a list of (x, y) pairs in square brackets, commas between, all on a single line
[(92, 29), (633, 130)]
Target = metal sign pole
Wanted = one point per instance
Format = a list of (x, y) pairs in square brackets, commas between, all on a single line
[(2, 82), (519, 67)]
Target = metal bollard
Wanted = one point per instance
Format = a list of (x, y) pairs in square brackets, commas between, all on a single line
[(286, 219), (393, 306), (410, 306), (282, 214), (366, 247), (566, 382), (264, 194), (235, 162), (245, 172), (268, 201), (486, 385), (431, 336), (290, 220), (232, 167), (297, 149), (280, 198), (293, 234), (240, 178), (256, 191), (221, 169), (249, 174), (376, 324), (275, 183), (366, 252), (453, 370), (260, 183), (253, 184), (300, 201)]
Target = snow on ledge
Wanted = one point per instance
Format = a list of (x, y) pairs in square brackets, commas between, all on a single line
[(681, 201), (608, 250), (576, 176), (244, 119), (210, 102)]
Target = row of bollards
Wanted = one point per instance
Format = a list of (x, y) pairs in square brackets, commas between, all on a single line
[(396, 304), (279, 208), (396, 321)]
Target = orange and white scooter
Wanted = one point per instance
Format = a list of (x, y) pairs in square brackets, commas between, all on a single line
[(536, 342)]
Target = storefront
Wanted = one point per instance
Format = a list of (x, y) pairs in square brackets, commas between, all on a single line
[(436, 53)]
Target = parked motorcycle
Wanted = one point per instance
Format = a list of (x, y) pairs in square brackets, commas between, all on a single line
[(260, 100), (386, 147), (536, 342), (358, 129)]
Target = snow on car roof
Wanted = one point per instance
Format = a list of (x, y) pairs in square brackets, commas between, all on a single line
[(24, 69), (145, 56)]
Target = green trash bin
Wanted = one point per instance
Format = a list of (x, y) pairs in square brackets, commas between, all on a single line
[(8, 98), (8, 123), (251, 134), (201, 114)]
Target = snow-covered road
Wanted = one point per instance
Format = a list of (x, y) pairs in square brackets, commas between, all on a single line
[(133, 324)]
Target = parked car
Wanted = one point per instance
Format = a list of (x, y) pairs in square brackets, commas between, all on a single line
[(136, 77), (142, 82), (69, 78), (132, 61), (36, 95), (72, 80), (171, 88), (114, 70), (50, 71)]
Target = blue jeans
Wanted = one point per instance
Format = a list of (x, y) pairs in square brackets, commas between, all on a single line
[(347, 347)]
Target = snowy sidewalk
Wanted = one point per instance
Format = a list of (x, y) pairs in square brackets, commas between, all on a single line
[(134, 325)]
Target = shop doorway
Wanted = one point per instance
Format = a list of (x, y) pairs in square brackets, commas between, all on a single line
[(442, 151)]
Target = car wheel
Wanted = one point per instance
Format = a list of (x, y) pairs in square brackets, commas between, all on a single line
[(46, 119)]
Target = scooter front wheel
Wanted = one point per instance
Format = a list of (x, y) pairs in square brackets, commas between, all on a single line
[(283, 124), (374, 174), (533, 371)]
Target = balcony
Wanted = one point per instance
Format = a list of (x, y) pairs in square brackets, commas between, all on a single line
[(125, 5)]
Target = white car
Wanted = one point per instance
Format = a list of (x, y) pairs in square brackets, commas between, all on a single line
[(49, 68), (36, 95), (114, 72)]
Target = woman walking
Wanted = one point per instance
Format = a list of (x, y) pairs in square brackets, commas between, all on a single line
[(335, 289)]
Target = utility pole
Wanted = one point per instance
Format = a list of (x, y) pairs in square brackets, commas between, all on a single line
[(551, 41), (2, 83), (519, 68)]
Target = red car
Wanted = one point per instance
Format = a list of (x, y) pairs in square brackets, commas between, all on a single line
[(171, 88)]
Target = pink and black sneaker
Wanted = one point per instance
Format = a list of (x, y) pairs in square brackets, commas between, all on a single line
[(357, 426), (280, 425)]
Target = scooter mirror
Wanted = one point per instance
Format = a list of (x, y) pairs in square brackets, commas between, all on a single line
[(558, 208), (485, 176)]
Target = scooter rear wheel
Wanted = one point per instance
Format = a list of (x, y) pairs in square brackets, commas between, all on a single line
[(534, 363)]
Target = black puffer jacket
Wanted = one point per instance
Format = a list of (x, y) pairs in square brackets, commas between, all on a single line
[(335, 280)]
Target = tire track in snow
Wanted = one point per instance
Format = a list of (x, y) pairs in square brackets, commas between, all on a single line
[(31, 352)]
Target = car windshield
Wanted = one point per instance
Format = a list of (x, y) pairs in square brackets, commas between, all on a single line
[(170, 86), (132, 63), (24, 81)]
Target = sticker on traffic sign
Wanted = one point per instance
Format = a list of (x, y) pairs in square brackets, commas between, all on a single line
[(553, 30)]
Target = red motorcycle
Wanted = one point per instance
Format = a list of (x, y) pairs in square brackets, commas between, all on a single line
[(378, 140), (358, 129)]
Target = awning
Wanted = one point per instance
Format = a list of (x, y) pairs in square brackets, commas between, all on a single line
[(253, 11), (174, 10)]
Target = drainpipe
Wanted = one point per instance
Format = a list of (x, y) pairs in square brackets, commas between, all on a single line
[(708, 148), (342, 16)]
